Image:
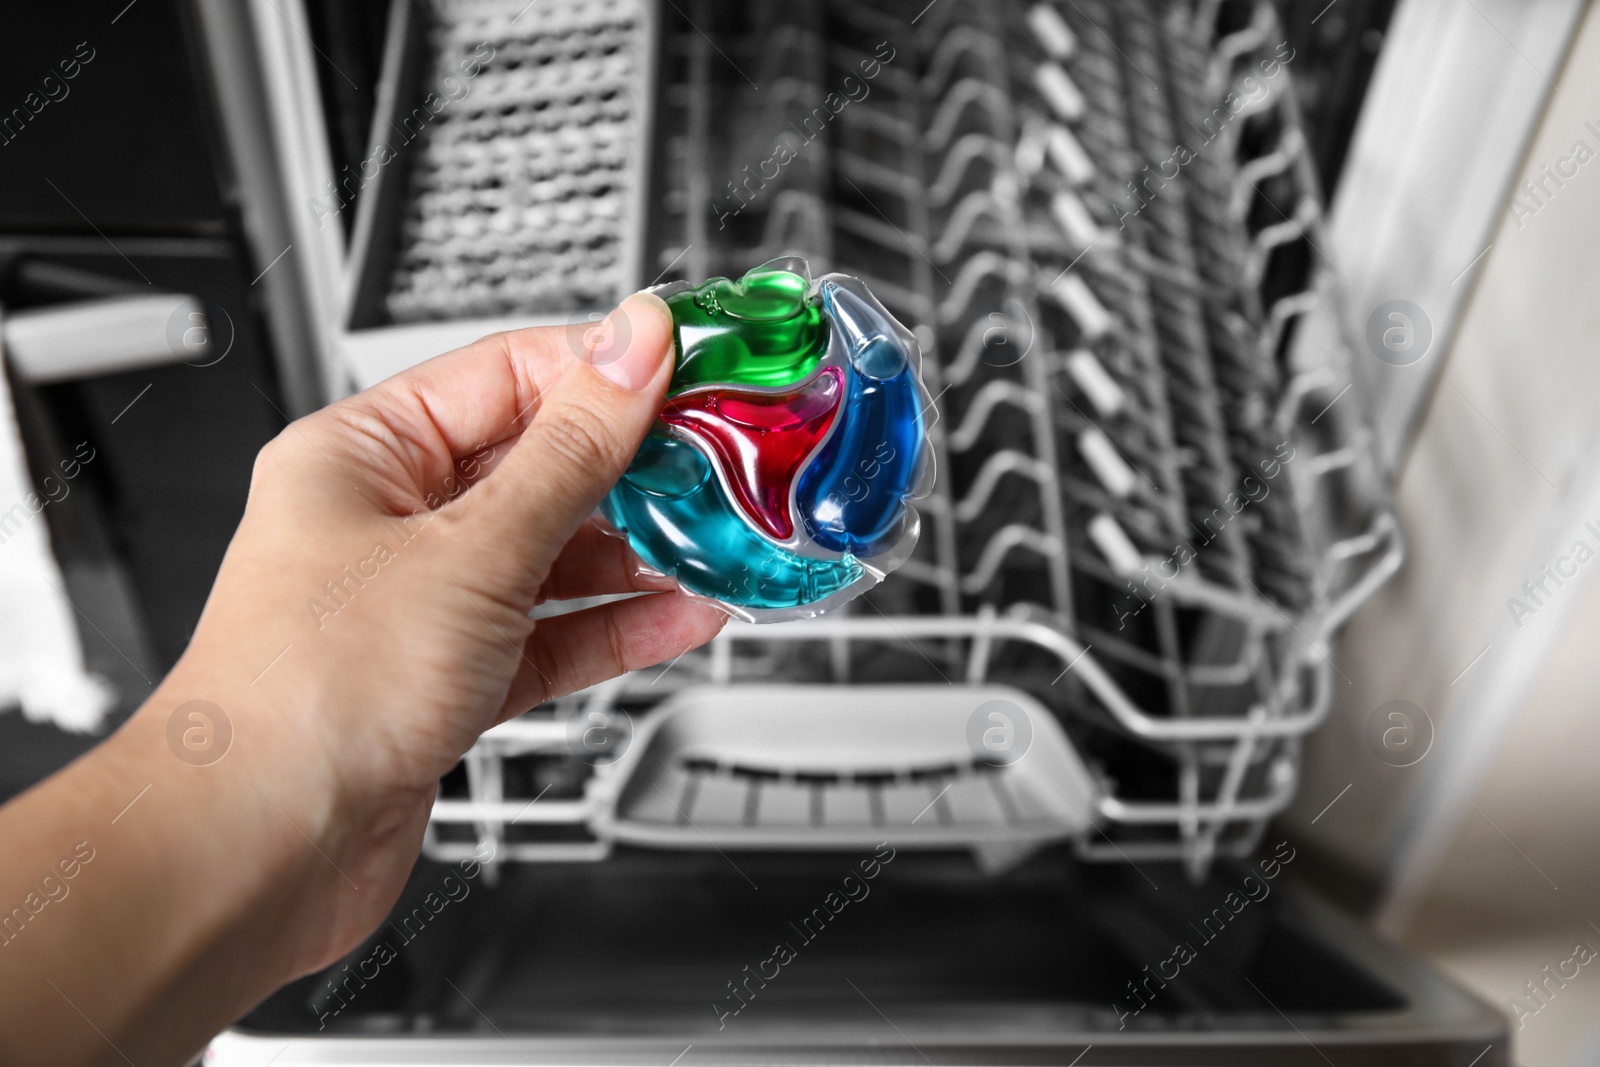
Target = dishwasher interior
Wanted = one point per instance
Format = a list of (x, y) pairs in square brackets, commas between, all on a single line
[(1057, 736), (932, 961)]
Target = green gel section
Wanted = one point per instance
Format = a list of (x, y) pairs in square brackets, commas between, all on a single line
[(760, 331)]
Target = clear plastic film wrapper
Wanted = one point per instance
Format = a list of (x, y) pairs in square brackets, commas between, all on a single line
[(778, 479)]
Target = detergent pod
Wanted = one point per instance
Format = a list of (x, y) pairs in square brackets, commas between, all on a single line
[(777, 481)]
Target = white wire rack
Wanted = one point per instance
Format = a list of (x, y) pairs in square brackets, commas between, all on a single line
[(1108, 356)]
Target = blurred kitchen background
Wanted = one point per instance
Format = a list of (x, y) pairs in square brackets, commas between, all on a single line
[(218, 215)]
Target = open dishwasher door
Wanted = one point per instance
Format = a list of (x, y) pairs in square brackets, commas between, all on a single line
[(655, 959), (1014, 805)]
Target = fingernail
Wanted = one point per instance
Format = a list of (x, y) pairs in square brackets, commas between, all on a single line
[(635, 339)]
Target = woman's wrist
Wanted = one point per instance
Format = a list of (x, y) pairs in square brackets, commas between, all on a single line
[(235, 785), (240, 763), (190, 865), (273, 742)]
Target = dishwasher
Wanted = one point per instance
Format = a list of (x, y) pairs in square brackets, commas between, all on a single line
[(1013, 806)]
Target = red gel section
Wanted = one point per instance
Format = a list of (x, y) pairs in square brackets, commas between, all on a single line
[(760, 439)]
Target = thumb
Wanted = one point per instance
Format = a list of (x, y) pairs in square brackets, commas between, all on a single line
[(589, 424)]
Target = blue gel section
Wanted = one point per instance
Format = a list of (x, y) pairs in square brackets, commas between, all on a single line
[(677, 519), (852, 496), (869, 333)]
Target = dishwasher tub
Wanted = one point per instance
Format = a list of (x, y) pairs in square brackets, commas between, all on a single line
[(656, 959)]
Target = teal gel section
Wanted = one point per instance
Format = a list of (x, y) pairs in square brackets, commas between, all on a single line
[(679, 522)]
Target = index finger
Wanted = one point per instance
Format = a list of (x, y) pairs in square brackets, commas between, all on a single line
[(454, 405), (483, 393)]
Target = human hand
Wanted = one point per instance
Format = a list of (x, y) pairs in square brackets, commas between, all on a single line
[(392, 548), (370, 620)]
